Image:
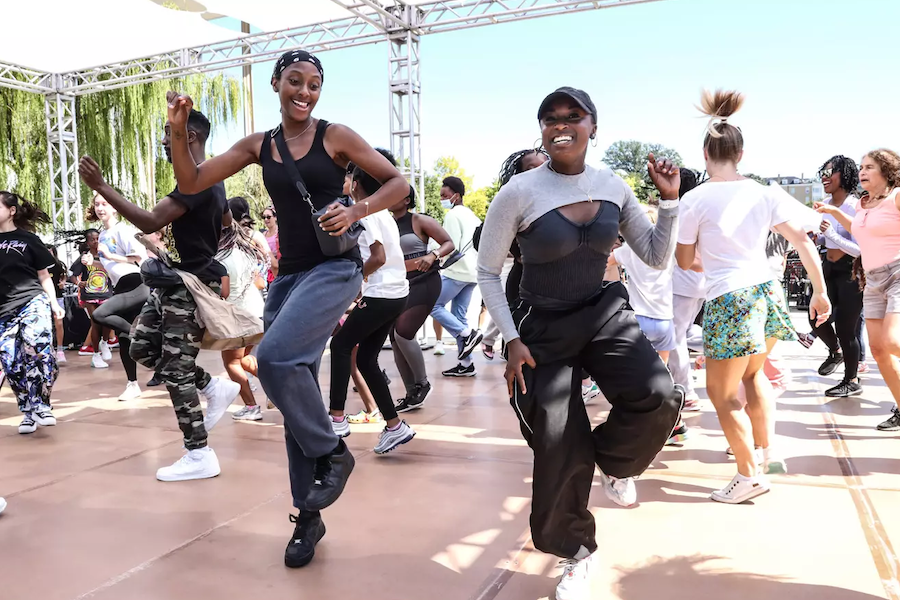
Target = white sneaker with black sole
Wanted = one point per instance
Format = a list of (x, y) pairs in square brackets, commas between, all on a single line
[(390, 439), (195, 464), (44, 417), (741, 489), (460, 371), (219, 394), (341, 428), (470, 343)]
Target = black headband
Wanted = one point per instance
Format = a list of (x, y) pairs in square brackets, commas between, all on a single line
[(294, 56)]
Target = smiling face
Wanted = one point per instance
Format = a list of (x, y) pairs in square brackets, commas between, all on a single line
[(831, 179), (298, 89), (871, 178), (269, 218), (93, 241), (566, 129), (103, 209)]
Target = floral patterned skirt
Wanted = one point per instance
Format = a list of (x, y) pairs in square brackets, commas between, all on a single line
[(738, 323)]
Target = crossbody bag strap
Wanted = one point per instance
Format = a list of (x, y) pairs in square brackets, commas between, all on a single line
[(291, 166)]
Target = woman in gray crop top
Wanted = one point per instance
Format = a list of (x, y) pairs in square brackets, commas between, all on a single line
[(565, 216)]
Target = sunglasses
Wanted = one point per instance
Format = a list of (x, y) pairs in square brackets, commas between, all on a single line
[(826, 173), (267, 217)]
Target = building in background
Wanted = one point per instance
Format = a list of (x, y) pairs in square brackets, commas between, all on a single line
[(806, 191)]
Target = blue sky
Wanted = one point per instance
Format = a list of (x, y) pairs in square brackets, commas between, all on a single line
[(820, 79)]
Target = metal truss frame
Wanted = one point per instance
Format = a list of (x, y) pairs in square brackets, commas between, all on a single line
[(369, 22)]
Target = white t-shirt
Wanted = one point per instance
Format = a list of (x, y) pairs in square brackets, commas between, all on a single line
[(649, 289), (390, 280), (119, 239), (730, 221), (690, 284)]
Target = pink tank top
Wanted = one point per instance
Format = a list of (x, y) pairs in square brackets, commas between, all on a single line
[(877, 231)]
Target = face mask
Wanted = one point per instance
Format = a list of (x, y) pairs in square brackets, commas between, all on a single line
[(447, 204)]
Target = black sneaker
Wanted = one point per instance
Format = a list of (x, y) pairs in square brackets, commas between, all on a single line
[(415, 399), (331, 475), (154, 381), (831, 363), (302, 548), (460, 371), (892, 424), (470, 343), (844, 389)]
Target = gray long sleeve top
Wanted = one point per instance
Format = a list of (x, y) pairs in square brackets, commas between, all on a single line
[(529, 196)]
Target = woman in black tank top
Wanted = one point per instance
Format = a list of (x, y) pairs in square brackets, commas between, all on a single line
[(424, 289), (312, 290)]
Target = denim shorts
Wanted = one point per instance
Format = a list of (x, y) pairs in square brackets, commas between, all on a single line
[(738, 323), (882, 292), (660, 332)]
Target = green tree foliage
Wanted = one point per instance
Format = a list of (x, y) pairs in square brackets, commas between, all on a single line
[(249, 184), (756, 178), (629, 158), (121, 129)]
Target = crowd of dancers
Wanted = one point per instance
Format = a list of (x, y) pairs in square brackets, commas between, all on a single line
[(548, 260)]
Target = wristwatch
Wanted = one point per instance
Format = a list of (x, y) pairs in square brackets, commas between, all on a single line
[(437, 253)]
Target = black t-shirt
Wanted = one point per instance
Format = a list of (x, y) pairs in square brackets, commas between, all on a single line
[(22, 255), (58, 271), (192, 239), (97, 284)]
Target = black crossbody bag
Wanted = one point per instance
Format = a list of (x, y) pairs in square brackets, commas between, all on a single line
[(330, 245)]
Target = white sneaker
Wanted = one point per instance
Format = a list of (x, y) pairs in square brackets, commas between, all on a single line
[(621, 491), (2, 505), (60, 357), (576, 579), (44, 418), (439, 349), (248, 413), (391, 439), (27, 425), (195, 464), (741, 489), (219, 394), (589, 392), (341, 428), (97, 362), (105, 353), (773, 464), (132, 392)]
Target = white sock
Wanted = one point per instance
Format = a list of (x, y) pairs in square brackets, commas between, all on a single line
[(466, 332)]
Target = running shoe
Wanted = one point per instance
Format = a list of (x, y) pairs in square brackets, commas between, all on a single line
[(863, 367), (470, 342), (308, 531), (97, 362), (741, 489), (27, 425), (86, 350), (805, 339), (248, 413), (330, 476), (439, 349), (679, 435), (576, 579), (132, 392), (844, 389), (589, 392), (487, 351), (415, 399), (44, 417), (834, 360), (460, 371), (391, 438), (105, 352), (341, 427), (60, 357), (621, 491), (892, 424), (201, 463)]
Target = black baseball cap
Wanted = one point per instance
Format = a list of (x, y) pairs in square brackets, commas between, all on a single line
[(580, 97)]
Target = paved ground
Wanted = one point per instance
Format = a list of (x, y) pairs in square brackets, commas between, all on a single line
[(444, 517)]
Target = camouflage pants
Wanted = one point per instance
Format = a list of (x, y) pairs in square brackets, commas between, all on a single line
[(166, 338), (27, 356)]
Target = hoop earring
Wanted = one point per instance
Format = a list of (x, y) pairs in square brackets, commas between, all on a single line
[(594, 141), (538, 144)]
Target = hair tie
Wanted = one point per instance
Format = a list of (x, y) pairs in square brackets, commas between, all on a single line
[(711, 126)]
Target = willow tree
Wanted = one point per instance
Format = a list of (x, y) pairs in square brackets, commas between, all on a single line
[(121, 129)]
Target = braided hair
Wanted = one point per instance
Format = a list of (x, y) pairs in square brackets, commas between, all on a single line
[(513, 164), (847, 168)]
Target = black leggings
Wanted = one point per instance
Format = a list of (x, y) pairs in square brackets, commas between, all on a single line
[(368, 326), (839, 331), (424, 291), (120, 311)]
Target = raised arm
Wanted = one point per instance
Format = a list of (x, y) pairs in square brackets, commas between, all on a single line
[(165, 211), (653, 244), (193, 178)]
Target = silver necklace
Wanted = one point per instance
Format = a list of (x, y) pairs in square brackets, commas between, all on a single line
[(586, 192), (301, 133)]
